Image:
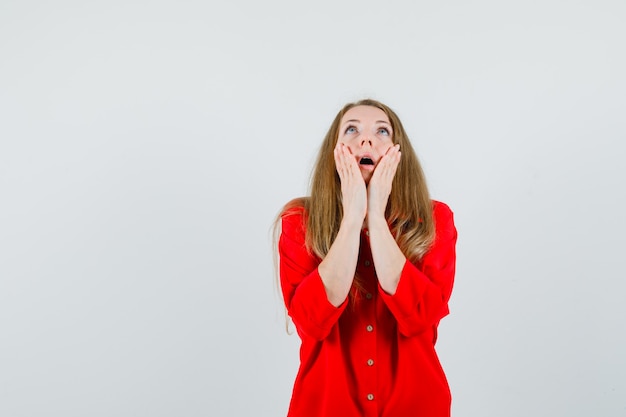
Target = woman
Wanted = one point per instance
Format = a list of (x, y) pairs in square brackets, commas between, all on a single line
[(366, 270)]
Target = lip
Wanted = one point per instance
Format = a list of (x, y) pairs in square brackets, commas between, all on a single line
[(366, 167)]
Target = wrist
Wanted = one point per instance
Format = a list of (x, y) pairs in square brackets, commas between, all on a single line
[(351, 223), (377, 221)]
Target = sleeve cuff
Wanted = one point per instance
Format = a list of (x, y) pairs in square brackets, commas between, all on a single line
[(311, 310)]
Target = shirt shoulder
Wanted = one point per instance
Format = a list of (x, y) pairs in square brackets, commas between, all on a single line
[(293, 219), (441, 208), (295, 207), (444, 220)]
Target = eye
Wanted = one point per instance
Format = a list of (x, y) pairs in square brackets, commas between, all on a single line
[(383, 131), (350, 129)]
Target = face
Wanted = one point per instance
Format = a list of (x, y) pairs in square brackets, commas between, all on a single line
[(366, 131)]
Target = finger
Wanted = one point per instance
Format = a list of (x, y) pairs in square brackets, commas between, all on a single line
[(350, 162), (339, 162), (394, 159), (342, 159), (345, 163), (387, 166), (392, 156)]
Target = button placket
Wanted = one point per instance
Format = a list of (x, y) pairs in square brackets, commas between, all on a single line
[(367, 356), (368, 364)]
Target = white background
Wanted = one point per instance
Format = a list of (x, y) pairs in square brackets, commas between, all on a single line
[(146, 146)]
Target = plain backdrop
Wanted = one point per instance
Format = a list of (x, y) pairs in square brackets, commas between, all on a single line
[(146, 147)]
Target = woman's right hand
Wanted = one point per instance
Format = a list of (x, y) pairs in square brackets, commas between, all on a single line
[(353, 189), (338, 267)]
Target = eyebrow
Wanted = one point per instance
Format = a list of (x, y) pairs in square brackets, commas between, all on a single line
[(358, 121)]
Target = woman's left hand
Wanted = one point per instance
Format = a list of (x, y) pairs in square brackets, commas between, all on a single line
[(379, 187)]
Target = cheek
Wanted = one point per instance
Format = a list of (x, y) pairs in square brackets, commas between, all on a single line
[(348, 144), (383, 148)]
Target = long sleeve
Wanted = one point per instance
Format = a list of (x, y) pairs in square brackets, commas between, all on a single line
[(302, 286), (421, 298)]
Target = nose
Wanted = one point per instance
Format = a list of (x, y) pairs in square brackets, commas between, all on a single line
[(366, 140)]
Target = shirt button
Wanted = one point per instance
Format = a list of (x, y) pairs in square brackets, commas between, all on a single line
[(369, 295), (367, 233), (370, 397), (370, 328), (370, 362), (367, 263)]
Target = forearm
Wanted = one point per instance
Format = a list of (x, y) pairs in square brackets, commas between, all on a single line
[(387, 256), (337, 269)]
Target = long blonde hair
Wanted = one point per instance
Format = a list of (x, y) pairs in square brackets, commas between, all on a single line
[(409, 209)]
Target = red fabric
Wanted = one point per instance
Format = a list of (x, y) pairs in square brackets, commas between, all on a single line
[(373, 356)]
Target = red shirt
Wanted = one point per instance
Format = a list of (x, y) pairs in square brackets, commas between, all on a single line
[(373, 355)]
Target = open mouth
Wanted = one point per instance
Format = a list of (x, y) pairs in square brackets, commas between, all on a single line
[(366, 161)]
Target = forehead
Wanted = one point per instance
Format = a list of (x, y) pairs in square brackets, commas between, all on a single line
[(365, 114)]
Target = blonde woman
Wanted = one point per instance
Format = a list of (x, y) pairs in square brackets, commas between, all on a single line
[(366, 269)]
